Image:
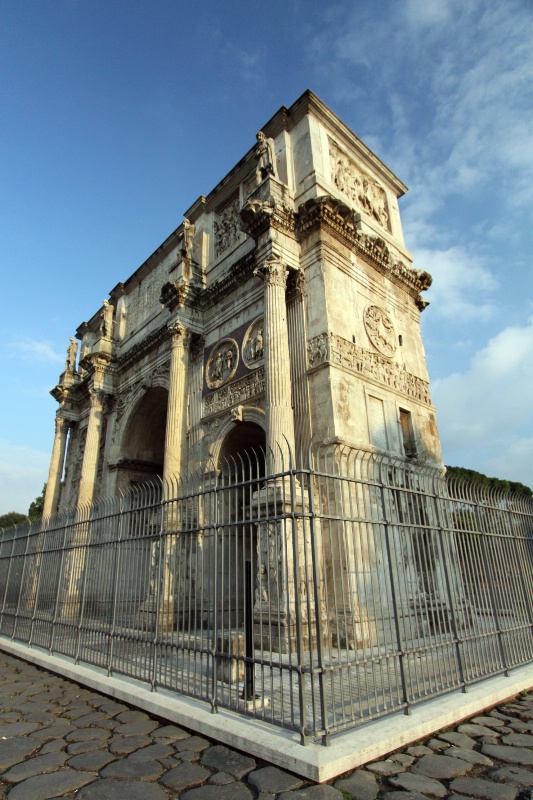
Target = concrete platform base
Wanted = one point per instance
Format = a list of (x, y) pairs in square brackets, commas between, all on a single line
[(282, 748)]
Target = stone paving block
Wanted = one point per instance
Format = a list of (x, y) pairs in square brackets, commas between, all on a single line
[(110, 789), (17, 729), (93, 761), (234, 791), (75, 748), (221, 779), (512, 755), (419, 750), (490, 721), (470, 729), (124, 745), (385, 767), (477, 787), (196, 743), (184, 776), (361, 784), (436, 744), (458, 739), (136, 770), (53, 747), (515, 775), (153, 751), (419, 783), (521, 727), (402, 758), (223, 759), (489, 740), (518, 740), (53, 732), (441, 767), (273, 780), (170, 732), (138, 727), (403, 796), (465, 754), (42, 787), (86, 734), (323, 792), (12, 751), (187, 755), (38, 765), (131, 715)]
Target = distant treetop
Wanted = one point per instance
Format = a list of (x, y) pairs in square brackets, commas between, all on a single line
[(489, 483)]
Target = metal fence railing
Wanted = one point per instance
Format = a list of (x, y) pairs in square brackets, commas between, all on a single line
[(315, 599)]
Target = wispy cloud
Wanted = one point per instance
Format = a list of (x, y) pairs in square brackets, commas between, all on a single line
[(34, 351), (487, 408)]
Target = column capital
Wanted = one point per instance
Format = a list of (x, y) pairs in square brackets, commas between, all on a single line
[(180, 334), (62, 424), (273, 272), (98, 398)]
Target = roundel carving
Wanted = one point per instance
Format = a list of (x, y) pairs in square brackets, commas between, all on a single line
[(380, 330), (253, 344), (222, 363)]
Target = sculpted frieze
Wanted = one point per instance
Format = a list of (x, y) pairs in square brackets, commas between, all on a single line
[(365, 193), (227, 228), (235, 393), (333, 349)]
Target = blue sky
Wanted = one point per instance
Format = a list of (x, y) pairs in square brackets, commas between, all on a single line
[(115, 115)]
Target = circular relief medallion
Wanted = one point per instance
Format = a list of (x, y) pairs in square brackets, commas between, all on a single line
[(222, 363), (253, 344), (380, 330)]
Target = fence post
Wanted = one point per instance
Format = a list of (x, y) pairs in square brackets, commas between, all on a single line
[(116, 573), (21, 588)]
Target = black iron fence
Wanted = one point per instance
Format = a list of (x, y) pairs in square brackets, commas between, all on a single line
[(315, 599)]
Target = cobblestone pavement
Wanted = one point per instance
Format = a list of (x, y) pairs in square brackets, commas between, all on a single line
[(58, 739)]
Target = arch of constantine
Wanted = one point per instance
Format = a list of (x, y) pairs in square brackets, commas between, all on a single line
[(283, 310)]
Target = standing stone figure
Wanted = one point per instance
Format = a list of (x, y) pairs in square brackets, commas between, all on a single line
[(106, 328), (265, 158), (72, 349)]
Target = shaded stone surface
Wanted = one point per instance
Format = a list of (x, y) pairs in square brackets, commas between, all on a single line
[(185, 775), (153, 751), (195, 743), (491, 721), (516, 775), (223, 759), (92, 761), (385, 767), (477, 787), (14, 750), (123, 745), (512, 755), (137, 770), (234, 791), (170, 732), (472, 756), (442, 767), (458, 739), (419, 783), (108, 789), (518, 740), (221, 779), (43, 787), (274, 780), (323, 792), (470, 729), (35, 766), (362, 785)]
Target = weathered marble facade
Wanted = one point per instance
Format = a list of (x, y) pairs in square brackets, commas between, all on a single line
[(283, 309)]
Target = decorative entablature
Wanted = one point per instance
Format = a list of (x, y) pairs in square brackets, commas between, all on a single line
[(343, 222), (143, 347), (330, 348), (270, 206)]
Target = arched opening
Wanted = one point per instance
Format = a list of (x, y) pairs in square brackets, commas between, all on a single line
[(143, 443), (241, 465)]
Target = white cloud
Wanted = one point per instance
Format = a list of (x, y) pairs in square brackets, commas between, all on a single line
[(462, 286), (35, 351), (23, 472), (485, 414)]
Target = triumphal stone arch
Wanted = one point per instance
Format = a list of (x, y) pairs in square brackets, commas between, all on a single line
[(283, 310)]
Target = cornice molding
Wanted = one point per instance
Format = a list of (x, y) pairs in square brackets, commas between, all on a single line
[(342, 221)]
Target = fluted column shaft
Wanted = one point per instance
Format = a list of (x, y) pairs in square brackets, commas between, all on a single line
[(280, 421), (176, 431), (53, 485), (89, 465)]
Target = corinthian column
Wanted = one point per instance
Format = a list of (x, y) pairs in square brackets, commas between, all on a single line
[(176, 431), (53, 485), (280, 420), (89, 465)]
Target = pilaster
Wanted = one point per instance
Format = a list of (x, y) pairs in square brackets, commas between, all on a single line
[(53, 485)]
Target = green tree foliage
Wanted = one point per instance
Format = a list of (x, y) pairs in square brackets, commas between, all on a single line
[(488, 483), (12, 518), (35, 510)]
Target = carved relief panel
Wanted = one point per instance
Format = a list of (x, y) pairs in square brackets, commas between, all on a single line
[(222, 363), (380, 330), (365, 193), (253, 344), (227, 227)]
